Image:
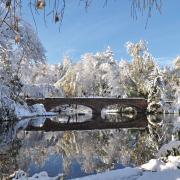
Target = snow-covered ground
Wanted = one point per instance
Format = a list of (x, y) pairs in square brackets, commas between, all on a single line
[(155, 169)]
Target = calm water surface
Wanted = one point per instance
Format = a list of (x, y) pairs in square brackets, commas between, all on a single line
[(77, 146)]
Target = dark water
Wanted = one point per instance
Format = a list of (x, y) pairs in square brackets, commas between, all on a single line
[(77, 146)]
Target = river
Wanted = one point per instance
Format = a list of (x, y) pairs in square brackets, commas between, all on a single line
[(77, 146)]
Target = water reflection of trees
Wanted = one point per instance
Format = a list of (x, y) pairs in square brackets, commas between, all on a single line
[(95, 150), (9, 147)]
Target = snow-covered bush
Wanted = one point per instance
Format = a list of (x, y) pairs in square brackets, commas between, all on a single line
[(172, 148), (21, 175)]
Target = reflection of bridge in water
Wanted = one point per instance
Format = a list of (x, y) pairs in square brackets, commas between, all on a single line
[(95, 103), (95, 123)]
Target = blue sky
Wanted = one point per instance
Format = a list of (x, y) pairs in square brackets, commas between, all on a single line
[(93, 30)]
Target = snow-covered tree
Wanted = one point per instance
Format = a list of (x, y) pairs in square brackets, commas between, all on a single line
[(140, 69), (95, 75), (16, 54)]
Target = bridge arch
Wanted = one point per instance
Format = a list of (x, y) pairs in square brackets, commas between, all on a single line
[(134, 106), (72, 106)]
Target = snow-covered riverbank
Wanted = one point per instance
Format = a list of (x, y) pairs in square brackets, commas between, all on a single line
[(155, 169), (25, 111), (17, 110)]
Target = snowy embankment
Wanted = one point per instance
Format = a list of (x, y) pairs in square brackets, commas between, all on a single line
[(24, 111), (16, 108), (155, 169), (19, 109)]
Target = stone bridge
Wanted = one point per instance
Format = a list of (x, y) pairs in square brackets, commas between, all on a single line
[(95, 103)]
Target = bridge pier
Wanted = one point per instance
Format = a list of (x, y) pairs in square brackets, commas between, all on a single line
[(96, 113), (94, 116)]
